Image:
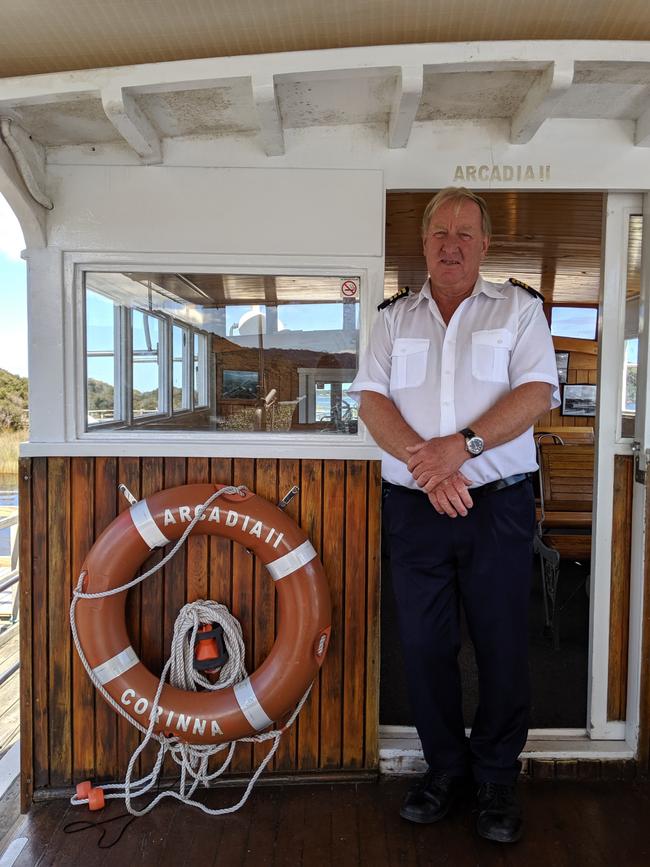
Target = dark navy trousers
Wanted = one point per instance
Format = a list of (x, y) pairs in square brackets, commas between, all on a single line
[(484, 562)]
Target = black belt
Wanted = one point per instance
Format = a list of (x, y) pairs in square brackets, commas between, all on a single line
[(499, 484), (496, 485)]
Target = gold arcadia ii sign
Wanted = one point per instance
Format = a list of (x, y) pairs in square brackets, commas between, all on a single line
[(503, 173)]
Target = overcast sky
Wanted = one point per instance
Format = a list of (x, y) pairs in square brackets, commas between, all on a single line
[(13, 312)]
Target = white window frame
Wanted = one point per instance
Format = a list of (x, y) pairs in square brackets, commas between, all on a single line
[(164, 385), (186, 384), (143, 442), (307, 378), (118, 360), (203, 389)]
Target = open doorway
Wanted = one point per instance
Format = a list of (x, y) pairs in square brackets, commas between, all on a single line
[(552, 241)]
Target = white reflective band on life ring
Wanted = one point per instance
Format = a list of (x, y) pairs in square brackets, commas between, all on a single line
[(250, 706), (288, 563), (146, 526), (116, 666)]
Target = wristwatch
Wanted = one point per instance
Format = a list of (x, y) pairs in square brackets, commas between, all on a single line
[(473, 444)]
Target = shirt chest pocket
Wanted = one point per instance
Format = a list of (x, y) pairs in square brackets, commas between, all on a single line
[(408, 362), (491, 354)]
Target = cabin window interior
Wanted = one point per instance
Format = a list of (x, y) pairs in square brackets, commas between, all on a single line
[(221, 352), (631, 325), (577, 322)]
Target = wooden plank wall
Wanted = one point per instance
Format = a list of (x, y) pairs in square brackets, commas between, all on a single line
[(619, 615), (583, 369), (69, 733)]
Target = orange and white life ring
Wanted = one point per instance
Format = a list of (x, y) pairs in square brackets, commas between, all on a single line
[(304, 614)]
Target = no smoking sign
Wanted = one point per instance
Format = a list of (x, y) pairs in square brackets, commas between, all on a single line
[(349, 288)]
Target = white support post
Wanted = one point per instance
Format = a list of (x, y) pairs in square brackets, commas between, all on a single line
[(132, 123), (617, 211), (407, 98), (540, 101), (270, 119), (45, 312), (642, 130)]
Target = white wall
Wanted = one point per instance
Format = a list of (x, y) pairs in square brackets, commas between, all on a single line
[(215, 210)]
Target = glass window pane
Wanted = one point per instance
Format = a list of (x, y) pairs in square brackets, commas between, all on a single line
[(146, 365), (200, 370), (180, 397), (255, 348), (631, 327), (577, 322), (100, 358)]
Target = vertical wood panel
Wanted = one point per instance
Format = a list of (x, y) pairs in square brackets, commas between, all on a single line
[(83, 693), (220, 587), (105, 717), (311, 513), (266, 485), (373, 659), (332, 671), (242, 596), (58, 579), (354, 607), (620, 587), (175, 474), (288, 476), (152, 601), (198, 472), (26, 632), (644, 709), (128, 737), (41, 659)]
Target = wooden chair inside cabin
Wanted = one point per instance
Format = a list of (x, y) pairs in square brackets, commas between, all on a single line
[(566, 478)]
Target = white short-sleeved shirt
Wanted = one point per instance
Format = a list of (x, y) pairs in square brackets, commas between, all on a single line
[(443, 377)]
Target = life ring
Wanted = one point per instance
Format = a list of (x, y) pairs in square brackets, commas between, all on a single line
[(304, 613)]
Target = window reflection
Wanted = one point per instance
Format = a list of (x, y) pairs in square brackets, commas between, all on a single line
[(631, 327), (234, 352)]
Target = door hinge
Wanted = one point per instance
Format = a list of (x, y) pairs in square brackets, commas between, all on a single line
[(641, 458)]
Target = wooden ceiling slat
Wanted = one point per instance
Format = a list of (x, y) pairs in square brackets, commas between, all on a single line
[(551, 240)]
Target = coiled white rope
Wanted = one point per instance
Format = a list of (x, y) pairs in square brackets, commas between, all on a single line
[(192, 759)]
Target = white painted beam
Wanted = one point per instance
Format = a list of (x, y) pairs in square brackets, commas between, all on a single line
[(131, 123), (29, 157), (268, 112), (30, 213), (541, 99), (405, 105), (642, 130)]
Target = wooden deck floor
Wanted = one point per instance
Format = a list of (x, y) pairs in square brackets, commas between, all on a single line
[(9, 691), (569, 824)]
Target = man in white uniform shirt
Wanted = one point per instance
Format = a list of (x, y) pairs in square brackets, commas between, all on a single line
[(453, 380)]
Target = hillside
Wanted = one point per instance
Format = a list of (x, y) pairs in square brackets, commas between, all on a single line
[(13, 401)]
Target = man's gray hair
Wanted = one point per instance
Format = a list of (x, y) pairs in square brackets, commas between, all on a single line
[(459, 195)]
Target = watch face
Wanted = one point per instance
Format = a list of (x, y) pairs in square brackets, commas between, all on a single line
[(475, 445)]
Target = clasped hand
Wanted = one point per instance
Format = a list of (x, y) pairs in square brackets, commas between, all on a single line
[(434, 466)]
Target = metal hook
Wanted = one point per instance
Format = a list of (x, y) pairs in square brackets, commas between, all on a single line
[(126, 493), (288, 497)]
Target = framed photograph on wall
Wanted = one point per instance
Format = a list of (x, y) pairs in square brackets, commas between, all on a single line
[(562, 361), (239, 384), (579, 399)]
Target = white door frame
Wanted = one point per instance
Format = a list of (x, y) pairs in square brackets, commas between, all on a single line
[(618, 207), (642, 437)]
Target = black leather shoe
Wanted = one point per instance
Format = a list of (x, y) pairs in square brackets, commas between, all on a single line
[(499, 816), (431, 798)]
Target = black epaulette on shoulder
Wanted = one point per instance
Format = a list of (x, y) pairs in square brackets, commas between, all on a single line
[(393, 298), (525, 286)]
